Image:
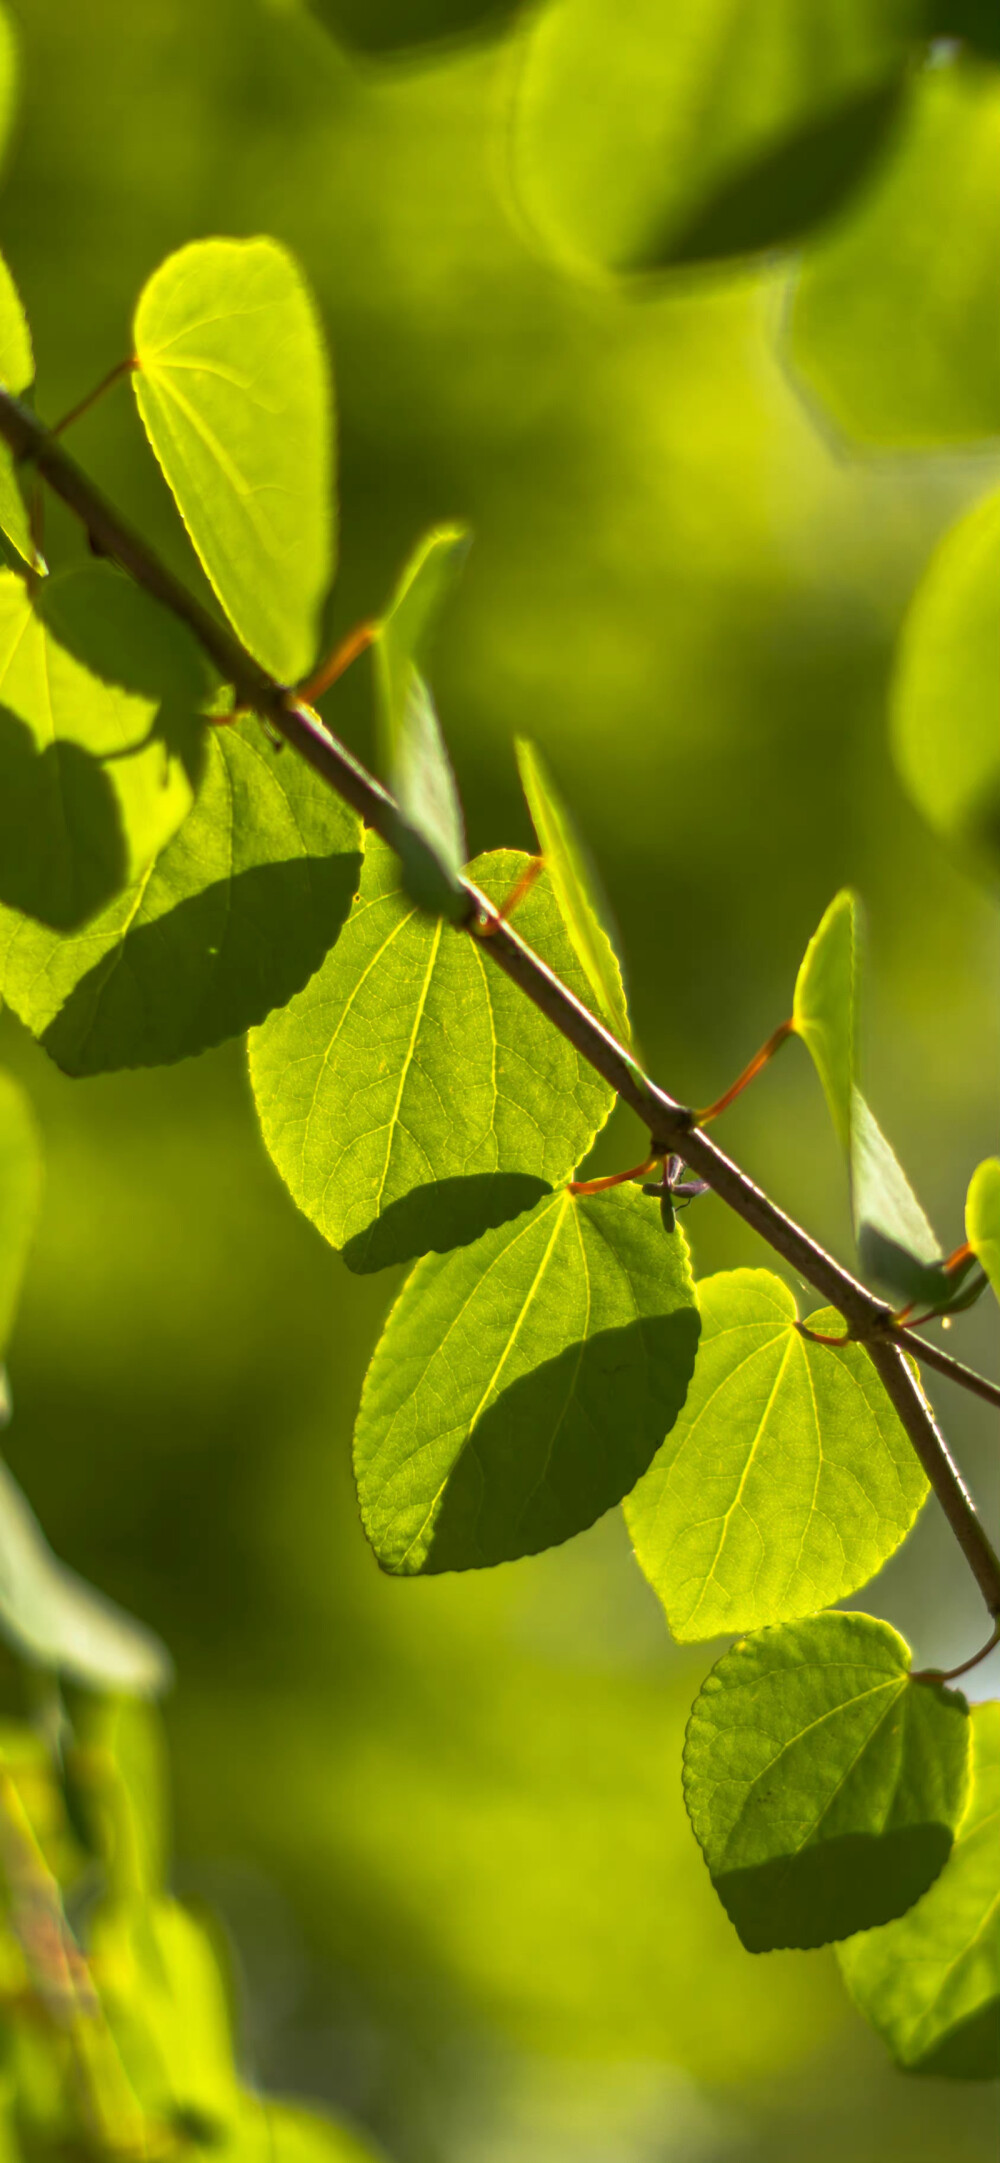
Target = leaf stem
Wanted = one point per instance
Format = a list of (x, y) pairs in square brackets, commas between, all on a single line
[(951, 1674), (760, 1060), (671, 1125), (114, 375)]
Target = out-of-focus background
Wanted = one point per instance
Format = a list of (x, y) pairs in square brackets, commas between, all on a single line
[(443, 1820)]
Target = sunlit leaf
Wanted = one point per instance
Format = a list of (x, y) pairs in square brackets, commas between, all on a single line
[(982, 1218), (522, 1383), (17, 367), (823, 1784), (166, 2004), (20, 1195), (642, 140), (573, 886), (823, 1011), (894, 323), (930, 1983), (431, 843), (56, 1620), (946, 692), (115, 1773), (384, 27), (232, 918), (233, 388), (787, 1480), (410, 1095)]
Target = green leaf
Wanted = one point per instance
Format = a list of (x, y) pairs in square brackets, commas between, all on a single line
[(166, 2005), (234, 392), (20, 1196), (115, 1773), (641, 141), (894, 321), (824, 1785), (233, 918), (522, 1384), (982, 1218), (823, 1010), (930, 1983), (99, 739), (431, 841), (788, 1479), (411, 1097), (946, 689), (57, 1621), (573, 884), (17, 370), (384, 27), (9, 73)]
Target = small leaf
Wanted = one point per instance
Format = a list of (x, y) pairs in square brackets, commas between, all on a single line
[(57, 1621), (17, 370), (947, 688), (234, 392), (232, 918), (894, 319), (930, 1983), (522, 1384), (787, 1480), (824, 1785), (982, 1218), (640, 143), (823, 1011), (410, 1095), (431, 842), (20, 1195), (573, 884)]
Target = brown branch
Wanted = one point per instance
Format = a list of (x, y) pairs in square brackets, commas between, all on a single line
[(671, 1125)]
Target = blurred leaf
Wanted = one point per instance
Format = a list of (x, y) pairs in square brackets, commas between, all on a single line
[(116, 1785), (719, 129), (894, 322), (823, 1011), (167, 2008), (234, 392), (99, 739), (787, 1480), (823, 1784), (17, 366), (411, 1097), (232, 919), (982, 1218), (20, 1195), (522, 1384), (930, 1983), (56, 1620), (573, 885), (9, 73), (947, 688), (412, 748), (402, 26)]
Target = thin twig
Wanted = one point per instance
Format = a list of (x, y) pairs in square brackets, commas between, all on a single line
[(931, 1355), (671, 1125)]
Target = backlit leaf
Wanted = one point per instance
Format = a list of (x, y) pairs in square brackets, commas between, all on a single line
[(645, 139), (234, 392), (57, 1621), (232, 918), (17, 371), (823, 1784), (946, 693), (823, 1011), (431, 842), (894, 322), (20, 1195), (522, 1383), (982, 1218), (930, 1983), (573, 886), (166, 2004), (787, 1480), (410, 1095)]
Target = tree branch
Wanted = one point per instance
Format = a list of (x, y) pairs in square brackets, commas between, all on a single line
[(671, 1125)]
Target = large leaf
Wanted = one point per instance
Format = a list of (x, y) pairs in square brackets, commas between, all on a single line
[(930, 1983), (786, 1482), (233, 388), (647, 138), (232, 918), (523, 1383), (894, 323), (431, 838), (20, 1194), (946, 692), (57, 1621), (823, 1784), (574, 889), (17, 373), (410, 1095), (100, 741), (982, 1218)]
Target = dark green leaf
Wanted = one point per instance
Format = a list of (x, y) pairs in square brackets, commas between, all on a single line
[(233, 917), (894, 323), (574, 888), (17, 368), (57, 1621), (930, 1983), (787, 1480), (823, 1784), (523, 1383), (411, 1096), (20, 1195), (431, 842), (234, 392), (982, 1219)]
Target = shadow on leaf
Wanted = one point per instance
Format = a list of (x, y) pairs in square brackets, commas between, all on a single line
[(834, 1888), (434, 1219), (62, 849)]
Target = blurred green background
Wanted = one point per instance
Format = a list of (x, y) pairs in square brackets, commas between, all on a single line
[(443, 1820)]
